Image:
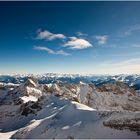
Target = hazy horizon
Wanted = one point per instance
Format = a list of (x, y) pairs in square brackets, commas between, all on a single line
[(84, 74)]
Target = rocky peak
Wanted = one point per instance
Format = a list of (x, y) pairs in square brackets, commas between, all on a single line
[(30, 82)]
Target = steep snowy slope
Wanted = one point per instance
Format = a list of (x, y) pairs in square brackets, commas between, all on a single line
[(64, 119)]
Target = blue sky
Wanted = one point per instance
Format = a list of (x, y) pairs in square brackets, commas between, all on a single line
[(70, 37)]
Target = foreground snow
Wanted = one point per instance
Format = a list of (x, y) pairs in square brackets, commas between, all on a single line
[(64, 119), (6, 135)]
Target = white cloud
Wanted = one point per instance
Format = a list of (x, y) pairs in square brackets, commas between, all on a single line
[(77, 43), (48, 35), (50, 51), (101, 39), (70, 42)]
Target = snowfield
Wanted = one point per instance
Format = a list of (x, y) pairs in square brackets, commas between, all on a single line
[(70, 120), (57, 110)]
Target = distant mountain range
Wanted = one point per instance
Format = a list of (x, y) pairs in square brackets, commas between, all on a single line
[(130, 80)]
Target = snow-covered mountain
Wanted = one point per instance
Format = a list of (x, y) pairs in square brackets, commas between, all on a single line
[(130, 80), (30, 109)]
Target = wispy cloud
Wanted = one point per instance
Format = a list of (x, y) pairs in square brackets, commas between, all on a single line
[(48, 35), (130, 30), (132, 61), (77, 43), (129, 66), (50, 51), (101, 39), (81, 34)]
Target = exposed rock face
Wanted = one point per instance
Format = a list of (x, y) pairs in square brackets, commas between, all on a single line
[(124, 120), (117, 88), (116, 96), (30, 87), (22, 98), (30, 83), (30, 108)]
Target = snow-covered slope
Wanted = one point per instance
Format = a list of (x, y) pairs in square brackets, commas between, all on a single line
[(108, 97), (63, 119), (57, 110), (13, 100)]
